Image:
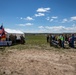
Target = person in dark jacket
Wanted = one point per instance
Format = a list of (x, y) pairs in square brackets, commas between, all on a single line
[(72, 41), (50, 40), (47, 38), (22, 39)]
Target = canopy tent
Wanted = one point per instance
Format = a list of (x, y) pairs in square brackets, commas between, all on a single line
[(18, 33), (10, 36), (5, 33), (12, 31)]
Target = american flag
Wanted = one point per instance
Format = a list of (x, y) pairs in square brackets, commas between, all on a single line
[(2, 31)]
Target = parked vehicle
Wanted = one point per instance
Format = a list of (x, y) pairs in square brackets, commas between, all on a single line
[(3, 41)]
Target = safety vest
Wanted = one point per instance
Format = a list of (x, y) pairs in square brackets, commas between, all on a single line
[(62, 38)]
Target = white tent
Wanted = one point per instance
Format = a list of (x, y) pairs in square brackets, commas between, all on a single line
[(18, 33)]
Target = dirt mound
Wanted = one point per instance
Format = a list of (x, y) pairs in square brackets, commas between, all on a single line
[(37, 62)]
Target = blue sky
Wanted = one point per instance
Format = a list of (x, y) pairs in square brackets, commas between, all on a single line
[(38, 16)]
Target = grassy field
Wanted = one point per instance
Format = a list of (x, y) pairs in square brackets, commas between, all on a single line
[(34, 42), (36, 39)]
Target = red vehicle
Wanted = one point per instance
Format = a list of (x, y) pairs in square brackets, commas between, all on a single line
[(3, 41)]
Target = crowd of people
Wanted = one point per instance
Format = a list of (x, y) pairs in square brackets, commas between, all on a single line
[(14, 39), (60, 40)]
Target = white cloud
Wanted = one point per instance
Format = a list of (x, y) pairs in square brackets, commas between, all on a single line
[(64, 20), (59, 29), (48, 18), (55, 27), (21, 18), (43, 9), (26, 24), (39, 14), (51, 20), (74, 25), (29, 24), (41, 27), (73, 18), (46, 29), (34, 31), (21, 24), (29, 18), (54, 17)]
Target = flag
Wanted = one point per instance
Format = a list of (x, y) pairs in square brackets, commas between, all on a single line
[(2, 31)]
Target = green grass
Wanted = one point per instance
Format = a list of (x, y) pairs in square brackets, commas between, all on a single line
[(33, 42), (36, 39)]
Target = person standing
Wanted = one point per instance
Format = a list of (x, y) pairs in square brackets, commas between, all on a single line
[(47, 38), (62, 41), (22, 39), (15, 38), (50, 40), (72, 41), (69, 40)]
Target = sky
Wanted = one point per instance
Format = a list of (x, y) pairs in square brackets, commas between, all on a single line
[(38, 16)]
